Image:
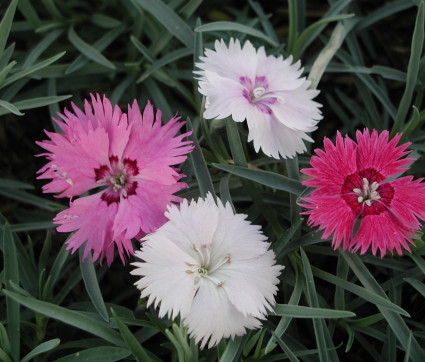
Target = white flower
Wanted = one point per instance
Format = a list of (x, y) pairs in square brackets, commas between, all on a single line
[(267, 91), (212, 267)]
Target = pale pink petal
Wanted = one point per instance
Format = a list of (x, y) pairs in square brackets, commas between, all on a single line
[(267, 91)]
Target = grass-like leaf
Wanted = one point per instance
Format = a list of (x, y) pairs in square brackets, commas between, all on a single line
[(240, 28), (312, 297), (169, 58), (9, 108), (37, 102), (11, 275), (67, 316), (412, 69), (199, 165), (130, 340), (363, 293), (394, 320), (88, 50), (92, 285), (41, 348), (298, 311), (271, 179), (104, 354), (170, 20), (36, 67), (326, 54), (6, 24)]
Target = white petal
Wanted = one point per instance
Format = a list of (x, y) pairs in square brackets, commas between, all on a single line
[(214, 317), (165, 279), (251, 284), (230, 62), (225, 97), (275, 138)]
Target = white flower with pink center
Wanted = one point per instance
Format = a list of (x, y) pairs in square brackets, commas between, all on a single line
[(267, 91)]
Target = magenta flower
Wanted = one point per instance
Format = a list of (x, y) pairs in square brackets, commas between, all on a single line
[(356, 183), (126, 163)]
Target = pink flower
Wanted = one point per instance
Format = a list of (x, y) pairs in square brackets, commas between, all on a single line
[(267, 91), (356, 184), (126, 162)]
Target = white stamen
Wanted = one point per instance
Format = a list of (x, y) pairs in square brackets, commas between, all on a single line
[(369, 192), (258, 92)]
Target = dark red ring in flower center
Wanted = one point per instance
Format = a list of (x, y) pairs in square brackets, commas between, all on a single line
[(118, 177), (376, 205)]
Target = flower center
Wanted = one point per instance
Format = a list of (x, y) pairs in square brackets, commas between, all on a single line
[(366, 193), (119, 177), (258, 93), (369, 193), (205, 266)]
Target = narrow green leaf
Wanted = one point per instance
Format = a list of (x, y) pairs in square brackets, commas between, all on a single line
[(6, 24), (383, 12), (232, 26), (104, 21), (298, 311), (176, 344), (67, 316), (29, 13), (4, 356), (286, 320), (29, 226), (5, 71), (41, 47), (233, 349), (170, 20), (142, 49), (199, 165), (131, 341), (293, 25), (92, 285), (336, 8), (420, 287), (45, 251), (11, 275), (32, 69), (41, 348), (327, 53), (412, 70), (4, 339), (283, 241), (88, 50), (292, 357), (413, 123), (100, 45), (310, 31), (363, 293), (14, 184), (266, 178), (169, 58), (394, 320), (264, 20), (385, 72), (55, 272), (314, 302), (9, 108), (104, 354), (419, 261), (408, 348), (39, 102)]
